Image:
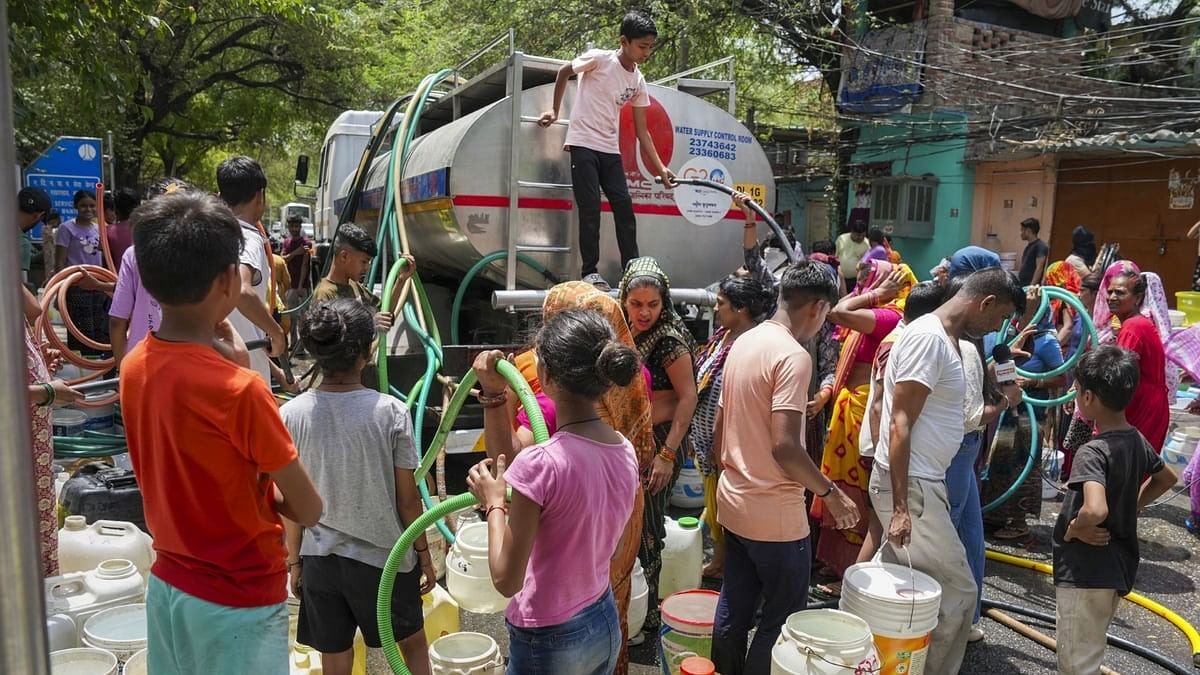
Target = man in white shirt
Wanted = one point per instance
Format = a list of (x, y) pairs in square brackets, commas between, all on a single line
[(851, 247), (921, 428), (243, 186)]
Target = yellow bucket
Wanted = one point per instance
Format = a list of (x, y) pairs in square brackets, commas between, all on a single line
[(1188, 302)]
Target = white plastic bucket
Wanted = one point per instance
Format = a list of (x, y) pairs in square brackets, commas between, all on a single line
[(687, 626), (901, 607), (68, 422), (137, 664), (61, 632), (100, 418), (82, 661), (688, 492), (824, 642), (468, 577), (120, 630), (1051, 474), (639, 599), (466, 654), (1178, 451)]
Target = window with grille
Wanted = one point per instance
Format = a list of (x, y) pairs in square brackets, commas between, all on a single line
[(904, 206)]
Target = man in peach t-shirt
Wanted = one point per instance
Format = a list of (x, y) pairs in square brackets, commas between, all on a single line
[(765, 470)]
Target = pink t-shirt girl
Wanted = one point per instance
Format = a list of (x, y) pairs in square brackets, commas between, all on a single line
[(586, 491), (131, 301)]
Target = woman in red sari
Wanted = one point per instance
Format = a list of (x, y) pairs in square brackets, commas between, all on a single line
[(1149, 411)]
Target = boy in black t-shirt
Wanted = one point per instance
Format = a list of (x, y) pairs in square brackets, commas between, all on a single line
[(1095, 538)]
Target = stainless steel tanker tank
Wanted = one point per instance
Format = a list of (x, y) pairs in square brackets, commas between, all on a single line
[(456, 188)]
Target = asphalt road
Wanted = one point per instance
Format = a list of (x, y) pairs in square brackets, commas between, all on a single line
[(1169, 574)]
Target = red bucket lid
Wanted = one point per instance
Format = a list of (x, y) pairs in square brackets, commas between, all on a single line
[(697, 665)]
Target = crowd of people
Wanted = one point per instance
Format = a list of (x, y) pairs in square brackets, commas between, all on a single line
[(841, 410)]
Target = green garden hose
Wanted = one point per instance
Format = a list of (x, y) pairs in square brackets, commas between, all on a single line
[(1071, 299), (383, 605), (486, 260)]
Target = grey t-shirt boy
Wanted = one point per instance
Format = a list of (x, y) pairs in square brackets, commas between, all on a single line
[(351, 442), (1119, 460)]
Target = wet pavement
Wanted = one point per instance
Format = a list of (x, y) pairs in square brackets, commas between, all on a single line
[(1169, 574)]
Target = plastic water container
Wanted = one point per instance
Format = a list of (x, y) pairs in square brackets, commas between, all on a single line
[(467, 574), (697, 665), (98, 491), (688, 492), (1178, 451), (687, 626), (120, 630), (68, 422), (304, 660), (901, 607), (1051, 473), (83, 547), (61, 632), (82, 661), (80, 595), (102, 418), (437, 550), (1188, 302), (682, 557), (138, 664), (824, 642), (639, 599), (60, 479), (466, 654), (440, 612)]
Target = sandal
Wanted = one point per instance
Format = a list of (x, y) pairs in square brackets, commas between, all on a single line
[(1012, 532)]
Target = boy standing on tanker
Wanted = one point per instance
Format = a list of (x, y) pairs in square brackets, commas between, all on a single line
[(1095, 539), (608, 79), (215, 463)]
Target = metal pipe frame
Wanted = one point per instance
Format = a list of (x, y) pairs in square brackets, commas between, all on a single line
[(700, 297)]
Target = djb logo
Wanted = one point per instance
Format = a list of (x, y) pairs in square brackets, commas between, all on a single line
[(87, 152)]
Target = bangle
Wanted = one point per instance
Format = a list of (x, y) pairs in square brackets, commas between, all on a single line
[(488, 514), (293, 564), (492, 400), (667, 454), (750, 225), (421, 550), (50, 395), (827, 492)]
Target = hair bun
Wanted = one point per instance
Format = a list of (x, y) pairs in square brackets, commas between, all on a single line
[(325, 326), (617, 363)]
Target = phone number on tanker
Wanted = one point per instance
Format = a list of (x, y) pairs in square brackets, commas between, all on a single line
[(715, 154)]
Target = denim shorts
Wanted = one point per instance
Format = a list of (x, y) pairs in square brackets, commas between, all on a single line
[(586, 644)]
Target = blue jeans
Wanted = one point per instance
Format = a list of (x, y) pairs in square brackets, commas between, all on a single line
[(962, 487), (586, 644), (775, 572)]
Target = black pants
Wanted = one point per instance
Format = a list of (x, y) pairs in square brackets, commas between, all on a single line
[(591, 171)]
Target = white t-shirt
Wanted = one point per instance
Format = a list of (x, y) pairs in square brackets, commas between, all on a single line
[(926, 354), (604, 88), (973, 373), (254, 255)]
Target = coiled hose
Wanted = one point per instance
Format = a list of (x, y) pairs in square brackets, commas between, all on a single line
[(383, 607), (1048, 292)]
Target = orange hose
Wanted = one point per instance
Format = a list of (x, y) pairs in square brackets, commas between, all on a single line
[(54, 297), (103, 225)]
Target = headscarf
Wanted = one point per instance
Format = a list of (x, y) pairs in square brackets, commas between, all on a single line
[(972, 259), (626, 409), (1154, 307), (1063, 276), (880, 270), (829, 261), (669, 324), (1083, 244)]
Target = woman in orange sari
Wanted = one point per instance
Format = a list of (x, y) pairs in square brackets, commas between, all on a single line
[(865, 317), (626, 409)]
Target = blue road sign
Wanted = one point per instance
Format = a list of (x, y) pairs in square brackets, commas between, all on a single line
[(70, 164)]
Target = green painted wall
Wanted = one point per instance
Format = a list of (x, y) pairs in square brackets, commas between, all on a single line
[(917, 145)]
